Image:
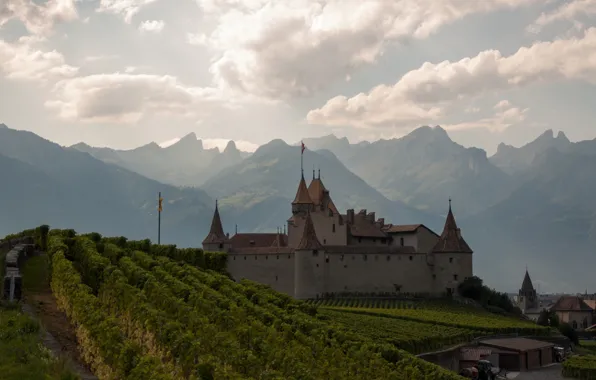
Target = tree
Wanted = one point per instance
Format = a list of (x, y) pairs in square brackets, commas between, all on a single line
[(566, 329), (471, 287), (548, 318)]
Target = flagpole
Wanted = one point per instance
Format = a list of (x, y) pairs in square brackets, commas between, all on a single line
[(159, 219), (302, 158)]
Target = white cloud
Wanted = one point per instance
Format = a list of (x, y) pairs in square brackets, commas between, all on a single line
[(505, 116), (280, 49), (199, 39), (152, 26), (567, 11), (424, 92), (126, 98), (38, 19), (124, 8), (23, 61)]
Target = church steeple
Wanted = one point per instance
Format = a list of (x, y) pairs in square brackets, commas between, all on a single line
[(216, 233), (451, 240), (309, 239), (527, 283)]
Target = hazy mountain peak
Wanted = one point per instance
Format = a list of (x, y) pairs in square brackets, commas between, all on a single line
[(562, 136), (2, 125), (230, 147), (189, 141), (546, 135), (78, 146), (427, 133)]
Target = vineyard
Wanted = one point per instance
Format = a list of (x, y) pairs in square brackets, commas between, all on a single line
[(441, 314), (580, 367), (414, 337), (143, 311)]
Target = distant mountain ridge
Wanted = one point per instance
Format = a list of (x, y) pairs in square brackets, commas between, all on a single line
[(185, 163)]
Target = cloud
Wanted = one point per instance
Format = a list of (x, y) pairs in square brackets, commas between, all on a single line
[(567, 11), (505, 116), (125, 98), (38, 19), (426, 91), (123, 8), (152, 26), (23, 61), (282, 49)]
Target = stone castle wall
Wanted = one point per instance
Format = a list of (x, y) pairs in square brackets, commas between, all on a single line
[(304, 274)]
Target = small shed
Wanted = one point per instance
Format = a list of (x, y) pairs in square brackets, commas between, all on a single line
[(521, 354)]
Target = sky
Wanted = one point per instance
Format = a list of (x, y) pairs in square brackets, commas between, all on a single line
[(123, 73)]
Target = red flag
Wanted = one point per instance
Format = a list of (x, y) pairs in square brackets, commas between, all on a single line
[(303, 147)]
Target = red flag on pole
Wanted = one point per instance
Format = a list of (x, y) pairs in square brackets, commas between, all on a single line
[(303, 147)]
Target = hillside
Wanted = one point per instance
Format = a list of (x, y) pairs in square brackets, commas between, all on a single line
[(423, 169), (273, 172), (201, 323), (61, 187), (185, 163)]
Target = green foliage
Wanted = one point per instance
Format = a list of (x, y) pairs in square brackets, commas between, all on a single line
[(22, 357), (39, 235), (493, 301), (580, 367), (548, 318), (568, 331), (447, 315), (35, 273), (154, 307)]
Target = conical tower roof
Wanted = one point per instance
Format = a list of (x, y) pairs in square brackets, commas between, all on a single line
[(451, 240), (216, 233), (527, 283), (309, 239), (302, 196)]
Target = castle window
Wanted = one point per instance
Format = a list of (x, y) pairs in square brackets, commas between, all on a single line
[(278, 257), (252, 242), (341, 258), (388, 258), (220, 245), (315, 253), (374, 240), (255, 257), (574, 325), (451, 259), (244, 257), (324, 241), (383, 241), (289, 257), (455, 277), (365, 257), (401, 241), (234, 258), (266, 257), (411, 258), (359, 240), (434, 276), (317, 265), (326, 259), (333, 227), (275, 278)]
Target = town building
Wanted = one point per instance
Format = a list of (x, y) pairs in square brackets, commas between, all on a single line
[(326, 252), (573, 310), (527, 299)]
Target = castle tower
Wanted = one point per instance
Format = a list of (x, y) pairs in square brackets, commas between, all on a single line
[(308, 263), (302, 203), (527, 297), (216, 240), (451, 257)]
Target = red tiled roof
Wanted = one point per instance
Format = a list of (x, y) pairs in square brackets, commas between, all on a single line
[(571, 303), (316, 190), (309, 239), (263, 250), (364, 229), (401, 228), (253, 240), (216, 233), (451, 240), (302, 196), (371, 249)]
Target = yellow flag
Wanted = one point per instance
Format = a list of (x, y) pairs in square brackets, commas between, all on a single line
[(160, 208)]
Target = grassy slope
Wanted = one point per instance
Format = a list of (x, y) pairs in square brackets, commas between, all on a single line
[(22, 357)]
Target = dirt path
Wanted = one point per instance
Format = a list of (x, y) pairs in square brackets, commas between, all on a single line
[(38, 302)]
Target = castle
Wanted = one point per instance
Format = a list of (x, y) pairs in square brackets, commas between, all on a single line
[(327, 252)]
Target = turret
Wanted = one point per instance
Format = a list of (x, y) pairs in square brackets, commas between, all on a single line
[(527, 297), (451, 240), (216, 240), (309, 267), (302, 203)]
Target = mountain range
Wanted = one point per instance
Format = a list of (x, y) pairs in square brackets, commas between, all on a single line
[(531, 205)]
